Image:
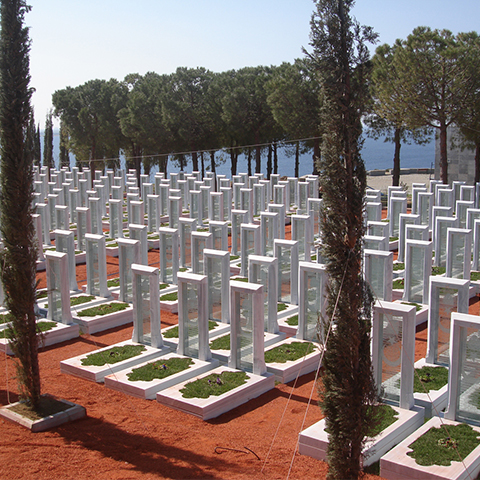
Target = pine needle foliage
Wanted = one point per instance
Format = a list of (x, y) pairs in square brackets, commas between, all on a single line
[(18, 259), (347, 391)]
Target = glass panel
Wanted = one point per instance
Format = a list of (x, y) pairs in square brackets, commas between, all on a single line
[(447, 300), (468, 409), (55, 305), (457, 252), (416, 272), (243, 305), (259, 275), (190, 306), (313, 308), (143, 308), (377, 277), (391, 355), (215, 289), (284, 270)]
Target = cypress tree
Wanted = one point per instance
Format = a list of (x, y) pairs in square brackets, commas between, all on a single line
[(64, 151), (18, 258), (347, 390)]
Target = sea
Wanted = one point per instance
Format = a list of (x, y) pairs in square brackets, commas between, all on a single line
[(377, 155)]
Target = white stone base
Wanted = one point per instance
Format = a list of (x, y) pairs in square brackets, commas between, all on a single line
[(75, 412), (99, 323), (43, 302), (73, 366), (147, 390), (288, 371), (289, 312), (59, 333), (397, 465), (314, 440), (212, 407)]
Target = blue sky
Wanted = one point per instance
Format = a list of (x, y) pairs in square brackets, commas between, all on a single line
[(75, 41)]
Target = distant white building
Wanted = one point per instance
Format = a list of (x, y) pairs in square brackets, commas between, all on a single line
[(461, 163)]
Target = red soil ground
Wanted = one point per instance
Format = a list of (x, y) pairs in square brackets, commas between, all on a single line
[(127, 438)]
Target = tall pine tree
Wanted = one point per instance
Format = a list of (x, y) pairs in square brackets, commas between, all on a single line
[(348, 391), (19, 256)]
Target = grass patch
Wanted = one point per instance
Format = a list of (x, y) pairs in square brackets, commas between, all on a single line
[(169, 297), (388, 416), (441, 446), (103, 309), (398, 266), (234, 257), (173, 332), (113, 355), (429, 378), (81, 299), (292, 321), (398, 284), (160, 369), (113, 282), (214, 384), (417, 306), (43, 294), (163, 286), (438, 270), (281, 307), (182, 269), (47, 406), (288, 352), (6, 317), (223, 343), (393, 239), (41, 328), (474, 276), (240, 279)]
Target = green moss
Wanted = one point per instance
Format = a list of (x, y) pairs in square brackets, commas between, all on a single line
[(214, 384), (103, 309), (388, 416), (438, 270), (113, 282), (169, 297), (474, 276), (442, 446), (398, 284), (429, 378), (81, 299), (42, 326), (42, 294), (398, 266), (281, 307), (417, 306), (173, 332), (288, 352), (159, 369), (113, 355), (292, 321)]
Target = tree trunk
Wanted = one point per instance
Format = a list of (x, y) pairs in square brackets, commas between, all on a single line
[(275, 158), (258, 156), (316, 155), (194, 162), (249, 162), (233, 159), (212, 162), (477, 163), (269, 161), (443, 153), (396, 158), (297, 159), (202, 163)]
